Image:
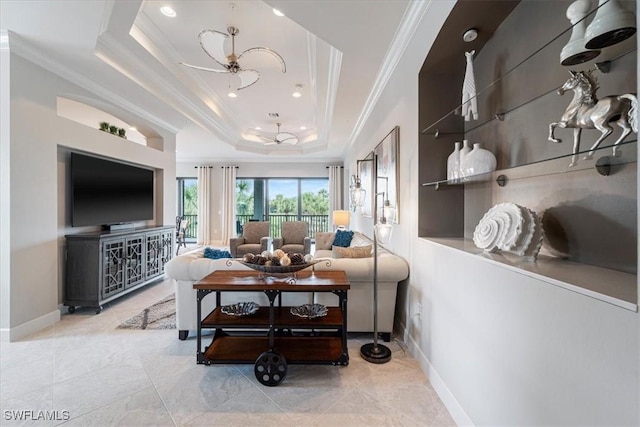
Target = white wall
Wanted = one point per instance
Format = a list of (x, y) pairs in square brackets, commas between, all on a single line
[(37, 186), (500, 348), (248, 170)]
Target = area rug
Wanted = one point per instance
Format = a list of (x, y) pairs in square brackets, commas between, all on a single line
[(161, 315)]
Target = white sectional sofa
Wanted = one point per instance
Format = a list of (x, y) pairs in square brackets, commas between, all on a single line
[(188, 268)]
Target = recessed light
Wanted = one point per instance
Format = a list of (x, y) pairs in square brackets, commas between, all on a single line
[(297, 93), (232, 95), (168, 11), (258, 128), (303, 128), (277, 12)]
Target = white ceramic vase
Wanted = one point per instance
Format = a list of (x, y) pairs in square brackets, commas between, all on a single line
[(466, 149), (453, 164), (478, 161)]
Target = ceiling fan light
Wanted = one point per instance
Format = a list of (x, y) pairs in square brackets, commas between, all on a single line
[(277, 12), (168, 11)]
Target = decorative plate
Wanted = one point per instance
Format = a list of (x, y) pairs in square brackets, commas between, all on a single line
[(279, 269), (309, 311), (240, 309)]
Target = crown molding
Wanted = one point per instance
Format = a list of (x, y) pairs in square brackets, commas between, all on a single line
[(143, 73), (28, 51), (407, 28), (4, 40), (148, 35), (335, 65)]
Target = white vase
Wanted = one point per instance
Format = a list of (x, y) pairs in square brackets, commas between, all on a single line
[(478, 161), (466, 149), (453, 164)]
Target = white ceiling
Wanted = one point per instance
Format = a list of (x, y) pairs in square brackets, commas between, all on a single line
[(128, 53)]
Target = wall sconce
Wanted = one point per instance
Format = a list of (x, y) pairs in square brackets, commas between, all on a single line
[(374, 352), (341, 219), (356, 192)]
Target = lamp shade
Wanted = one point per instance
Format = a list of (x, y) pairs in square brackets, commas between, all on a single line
[(383, 232), (612, 24), (357, 195), (341, 218)]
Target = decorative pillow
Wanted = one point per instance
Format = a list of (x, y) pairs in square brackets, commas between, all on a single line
[(359, 239), (215, 253), (343, 238), (324, 240), (358, 252)]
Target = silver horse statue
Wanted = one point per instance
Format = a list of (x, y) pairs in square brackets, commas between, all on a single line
[(588, 112)]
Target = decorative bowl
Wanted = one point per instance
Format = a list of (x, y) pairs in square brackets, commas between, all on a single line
[(240, 309), (309, 311)]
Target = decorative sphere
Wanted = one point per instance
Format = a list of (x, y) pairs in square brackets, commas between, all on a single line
[(266, 254), (308, 258), (248, 257), (278, 253), (285, 261)]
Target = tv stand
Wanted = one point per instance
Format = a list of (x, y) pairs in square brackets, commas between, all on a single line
[(105, 265)]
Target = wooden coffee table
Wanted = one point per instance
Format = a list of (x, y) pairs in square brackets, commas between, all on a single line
[(272, 337)]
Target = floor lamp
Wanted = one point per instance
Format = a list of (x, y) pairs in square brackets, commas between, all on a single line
[(374, 352)]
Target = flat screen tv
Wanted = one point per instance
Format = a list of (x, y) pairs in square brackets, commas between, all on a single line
[(105, 192)]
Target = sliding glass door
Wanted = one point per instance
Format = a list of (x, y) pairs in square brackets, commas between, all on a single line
[(187, 208), (283, 199)]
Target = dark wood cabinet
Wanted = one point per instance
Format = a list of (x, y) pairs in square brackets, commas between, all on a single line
[(104, 265)]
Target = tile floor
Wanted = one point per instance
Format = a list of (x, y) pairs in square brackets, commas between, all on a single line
[(106, 376)]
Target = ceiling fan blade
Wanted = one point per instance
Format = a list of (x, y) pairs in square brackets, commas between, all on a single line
[(271, 143), (284, 135), (293, 140), (247, 78), (265, 138), (212, 43), (269, 51), (197, 67)]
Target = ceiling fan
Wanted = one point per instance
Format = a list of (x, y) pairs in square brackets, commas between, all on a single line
[(212, 43), (281, 138)]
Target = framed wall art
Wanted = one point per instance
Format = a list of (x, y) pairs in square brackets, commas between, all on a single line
[(388, 152)]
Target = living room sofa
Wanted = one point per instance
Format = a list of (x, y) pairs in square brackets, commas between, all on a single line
[(186, 269)]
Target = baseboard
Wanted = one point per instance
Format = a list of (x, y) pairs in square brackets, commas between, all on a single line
[(450, 402), (30, 327)]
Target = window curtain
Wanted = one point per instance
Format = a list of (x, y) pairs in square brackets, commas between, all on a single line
[(203, 235), (336, 195), (228, 203)]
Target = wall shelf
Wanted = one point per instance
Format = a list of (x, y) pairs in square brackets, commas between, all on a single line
[(610, 286), (603, 157)]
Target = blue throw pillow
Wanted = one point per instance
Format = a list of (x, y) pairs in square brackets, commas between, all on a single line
[(216, 253), (343, 238)]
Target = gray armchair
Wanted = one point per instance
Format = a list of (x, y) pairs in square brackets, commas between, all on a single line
[(295, 237), (255, 239)]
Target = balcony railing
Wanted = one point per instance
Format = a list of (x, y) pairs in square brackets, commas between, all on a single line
[(192, 227), (317, 223)]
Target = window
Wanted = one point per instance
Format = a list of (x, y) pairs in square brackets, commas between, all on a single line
[(283, 199), (187, 198)]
